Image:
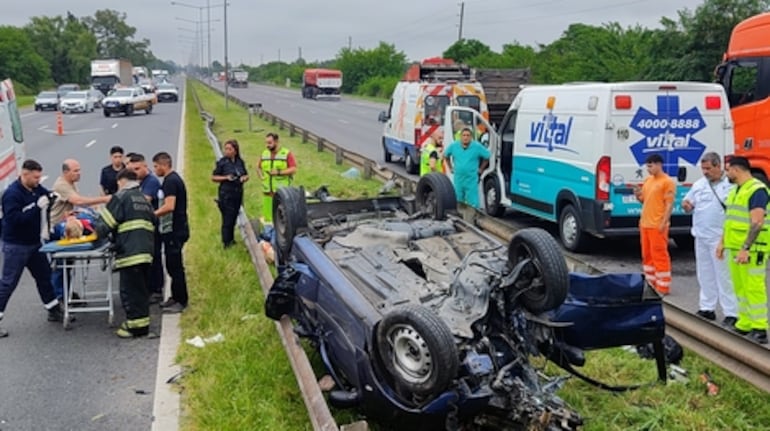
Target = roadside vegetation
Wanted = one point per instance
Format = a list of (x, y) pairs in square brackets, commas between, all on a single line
[(246, 382)]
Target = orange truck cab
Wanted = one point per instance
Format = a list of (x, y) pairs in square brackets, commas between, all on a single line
[(745, 75)]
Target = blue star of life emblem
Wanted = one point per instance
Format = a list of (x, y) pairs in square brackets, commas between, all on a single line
[(668, 133)]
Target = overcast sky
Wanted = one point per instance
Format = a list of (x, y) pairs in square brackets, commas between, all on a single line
[(259, 30)]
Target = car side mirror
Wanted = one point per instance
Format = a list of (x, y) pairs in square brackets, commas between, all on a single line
[(383, 117)]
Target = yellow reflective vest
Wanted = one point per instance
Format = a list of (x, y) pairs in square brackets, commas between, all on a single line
[(426, 150), (738, 218), (271, 183)]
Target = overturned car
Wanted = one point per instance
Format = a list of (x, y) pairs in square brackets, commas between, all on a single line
[(422, 320)]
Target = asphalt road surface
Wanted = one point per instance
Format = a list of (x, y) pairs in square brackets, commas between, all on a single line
[(84, 378)]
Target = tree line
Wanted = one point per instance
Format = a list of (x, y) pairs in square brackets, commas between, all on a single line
[(54, 50), (686, 48)]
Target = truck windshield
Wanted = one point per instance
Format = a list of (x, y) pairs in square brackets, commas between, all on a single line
[(434, 109), (103, 80), (741, 79)]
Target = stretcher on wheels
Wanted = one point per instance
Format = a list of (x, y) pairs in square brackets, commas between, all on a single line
[(87, 271)]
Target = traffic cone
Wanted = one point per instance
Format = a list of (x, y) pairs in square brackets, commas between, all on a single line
[(59, 123)]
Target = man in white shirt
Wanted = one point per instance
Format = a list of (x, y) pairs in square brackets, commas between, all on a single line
[(706, 201)]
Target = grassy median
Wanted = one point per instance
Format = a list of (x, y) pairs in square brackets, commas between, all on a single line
[(246, 383)]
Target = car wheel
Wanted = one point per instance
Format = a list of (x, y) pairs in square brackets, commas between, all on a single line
[(435, 195), (417, 350), (544, 281), (289, 217), (492, 197), (571, 229), (386, 154), (106, 113), (149, 109), (129, 110), (409, 163), (37, 108)]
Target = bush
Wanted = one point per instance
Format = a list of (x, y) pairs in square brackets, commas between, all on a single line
[(378, 86)]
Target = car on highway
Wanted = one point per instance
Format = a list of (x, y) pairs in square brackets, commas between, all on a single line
[(421, 319), (128, 100), (167, 92), (47, 100), (76, 101), (96, 97), (147, 85), (66, 88)]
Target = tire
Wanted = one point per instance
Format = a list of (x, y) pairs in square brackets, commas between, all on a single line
[(386, 154), (409, 164), (417, 350), (571, 233), (546, 278), (492, 195), (129, 110), (436, 195), (37, 108), (106, 113), (289, 217), (685, 242), (149, 109)]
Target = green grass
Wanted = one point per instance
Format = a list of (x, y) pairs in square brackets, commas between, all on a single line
[(22, 101), (246, 383)]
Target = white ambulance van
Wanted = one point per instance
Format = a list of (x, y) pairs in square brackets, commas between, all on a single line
[(572, 153), (418, 103), (11, 136)]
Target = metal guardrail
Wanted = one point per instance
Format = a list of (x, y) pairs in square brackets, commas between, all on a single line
[(318, 411), (751, 366)]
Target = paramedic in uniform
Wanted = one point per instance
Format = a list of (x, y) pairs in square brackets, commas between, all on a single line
[(466, 159), (277, 167), (746, 246), (706, 201), (657, 198)]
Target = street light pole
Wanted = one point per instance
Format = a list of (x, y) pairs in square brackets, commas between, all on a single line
[(227, 93), (208, 40)]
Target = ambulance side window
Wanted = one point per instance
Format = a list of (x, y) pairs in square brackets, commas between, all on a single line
[(13, 111), (506, 144)]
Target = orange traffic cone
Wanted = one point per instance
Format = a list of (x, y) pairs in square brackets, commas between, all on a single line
[(59, 123)]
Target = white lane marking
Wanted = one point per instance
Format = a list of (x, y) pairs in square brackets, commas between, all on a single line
[(44, 126), (28, 114), (344, 121), (73, 132), (115, 125), (92, 142)]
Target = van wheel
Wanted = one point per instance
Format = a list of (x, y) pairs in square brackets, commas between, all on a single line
[(571, 229), (386, 154), (492, 197), (409, 164)]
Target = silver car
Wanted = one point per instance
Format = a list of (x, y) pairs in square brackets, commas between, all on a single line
[(47, 100), (76, 101), (96, 97)]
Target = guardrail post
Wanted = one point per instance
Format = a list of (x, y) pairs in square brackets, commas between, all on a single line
[(368, 169), (338, 155), (281, 124), (273, 120), (320, 144), (304, 136), (292, 130)]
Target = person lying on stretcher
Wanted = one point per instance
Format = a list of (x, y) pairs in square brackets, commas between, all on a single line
[(74, 229)]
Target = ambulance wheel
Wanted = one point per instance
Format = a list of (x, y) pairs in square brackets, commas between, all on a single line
[(409, 164), (573, 238), (388, 157), (492, 197)]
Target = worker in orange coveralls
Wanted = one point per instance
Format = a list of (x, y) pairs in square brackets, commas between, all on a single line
[(657, 198)]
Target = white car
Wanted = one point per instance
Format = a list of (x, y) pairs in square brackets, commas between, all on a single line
[(47, 100), (96, 97), (76, 101), (167, 93)]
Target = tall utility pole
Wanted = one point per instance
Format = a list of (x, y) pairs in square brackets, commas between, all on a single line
[(300, 53), (350, 43), (227, 93), (208, 39), (462, 15)]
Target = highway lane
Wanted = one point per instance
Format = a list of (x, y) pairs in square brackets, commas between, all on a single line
[(85, 378)]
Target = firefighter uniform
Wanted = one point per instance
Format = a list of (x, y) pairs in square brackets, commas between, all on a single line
[(748, 278), (130, 218), (271, 183)]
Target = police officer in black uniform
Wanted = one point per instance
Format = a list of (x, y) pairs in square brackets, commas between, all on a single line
[(230, 172)]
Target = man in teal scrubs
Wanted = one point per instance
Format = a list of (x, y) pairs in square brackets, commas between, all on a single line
[(466, 160)]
